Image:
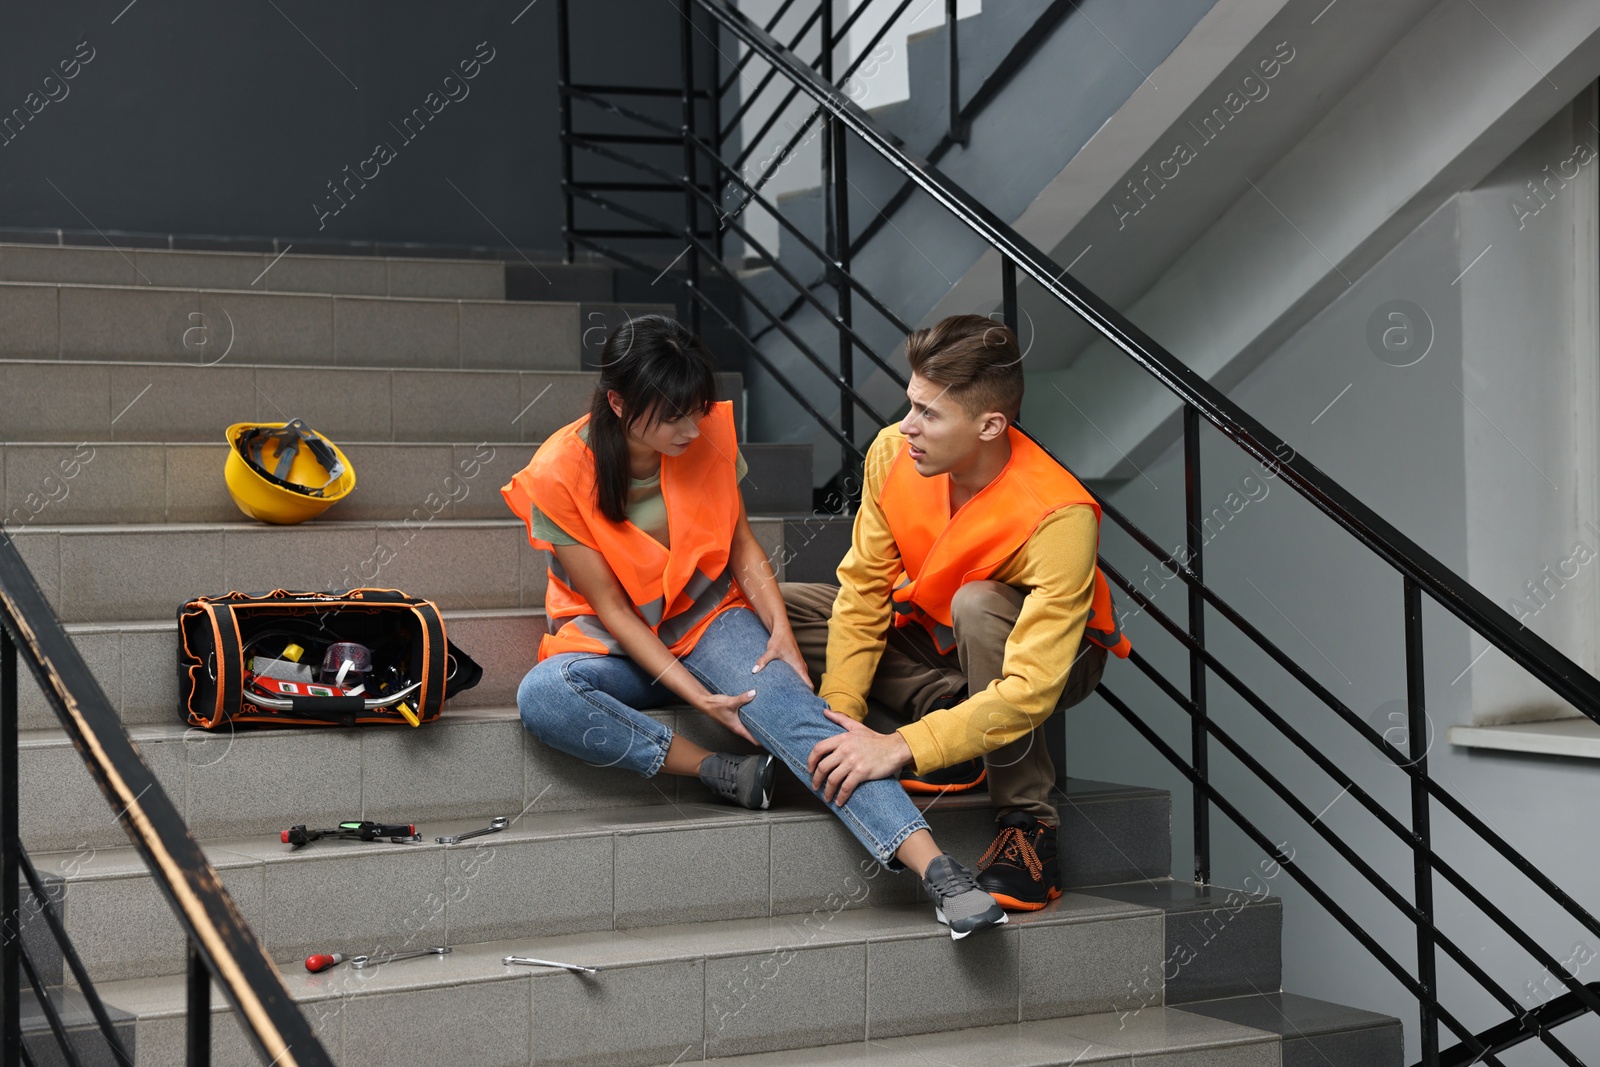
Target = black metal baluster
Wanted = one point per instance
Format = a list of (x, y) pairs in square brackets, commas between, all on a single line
[(1197, 629), (564, 77), (836, 234), (199, 987), (691, 209), (1422, 837), (10, 841), (958, 129), (714, 181), (841, 256), (1008, 293)]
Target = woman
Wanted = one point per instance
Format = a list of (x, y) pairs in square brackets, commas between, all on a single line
[(658, 590)]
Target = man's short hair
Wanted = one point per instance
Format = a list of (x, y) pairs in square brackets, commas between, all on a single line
[(973, 357)]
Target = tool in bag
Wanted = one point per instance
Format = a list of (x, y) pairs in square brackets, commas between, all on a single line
[(354, 830), (383, 658), (531, 962), (498, 823)]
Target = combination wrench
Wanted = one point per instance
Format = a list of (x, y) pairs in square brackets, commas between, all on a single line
[(359, 962), (499, 822), (531, 962)]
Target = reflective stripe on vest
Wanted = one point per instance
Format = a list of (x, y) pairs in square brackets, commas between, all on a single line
[(940, 552), (676, 591), (675, 629)]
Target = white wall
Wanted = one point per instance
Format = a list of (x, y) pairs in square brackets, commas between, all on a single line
[(1530, 406)]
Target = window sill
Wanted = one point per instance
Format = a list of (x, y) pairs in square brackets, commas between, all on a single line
[(1578, 738)]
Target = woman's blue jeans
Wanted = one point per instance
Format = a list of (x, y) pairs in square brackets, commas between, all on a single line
[(585, 704)]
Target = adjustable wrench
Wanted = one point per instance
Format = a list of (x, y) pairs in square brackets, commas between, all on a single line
[(359, 962), (499, 822), (531, 962)]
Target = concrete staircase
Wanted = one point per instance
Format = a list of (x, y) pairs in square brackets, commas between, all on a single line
[(723, 934)]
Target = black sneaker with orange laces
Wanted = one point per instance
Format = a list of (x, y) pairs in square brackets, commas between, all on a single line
[(1019, 868)]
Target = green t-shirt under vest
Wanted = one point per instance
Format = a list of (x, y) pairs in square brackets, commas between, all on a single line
[(647, 509)]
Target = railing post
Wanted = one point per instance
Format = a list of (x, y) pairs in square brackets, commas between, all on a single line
[(199, 1040), (1008, 293), (691, 211), (10, 842), (1422, 835), (841, 255), (564, 80), (715, 180), (1197, 630), (836, 233), (958, 129)]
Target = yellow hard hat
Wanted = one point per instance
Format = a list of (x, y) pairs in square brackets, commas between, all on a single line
[(273, 479)]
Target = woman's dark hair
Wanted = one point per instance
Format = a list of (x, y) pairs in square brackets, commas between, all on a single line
[(663, 372)]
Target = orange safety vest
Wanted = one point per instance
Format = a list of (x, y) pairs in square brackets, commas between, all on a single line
[(678, 591), (941, 552)]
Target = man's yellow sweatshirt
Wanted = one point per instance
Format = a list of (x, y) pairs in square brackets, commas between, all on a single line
[(1055, 567)]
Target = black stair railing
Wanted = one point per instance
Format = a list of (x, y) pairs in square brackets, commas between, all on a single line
[(1419, 575), (221, 944)]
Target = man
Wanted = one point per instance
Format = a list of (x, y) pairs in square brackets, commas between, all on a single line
[(980, 549)]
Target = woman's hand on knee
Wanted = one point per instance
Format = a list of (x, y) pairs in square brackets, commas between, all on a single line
[(725, 710), (782, 646)]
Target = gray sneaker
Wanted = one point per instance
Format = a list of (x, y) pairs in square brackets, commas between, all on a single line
[(742, 780), (957, 900)]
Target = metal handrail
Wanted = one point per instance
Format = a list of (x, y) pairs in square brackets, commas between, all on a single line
[(1352, 925), (221, 942), (1570, 681)]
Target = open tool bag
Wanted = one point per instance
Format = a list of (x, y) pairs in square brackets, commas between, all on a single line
[(359, 657)]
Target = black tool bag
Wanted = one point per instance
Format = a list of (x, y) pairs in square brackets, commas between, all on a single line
[(414, 668)]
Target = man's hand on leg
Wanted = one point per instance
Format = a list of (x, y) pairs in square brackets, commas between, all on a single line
[(840, 763)]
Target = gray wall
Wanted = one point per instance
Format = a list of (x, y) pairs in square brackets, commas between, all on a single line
[(197, 118), (1436, 448)]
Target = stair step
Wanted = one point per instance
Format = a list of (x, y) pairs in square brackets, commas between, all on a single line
[(1312, 1032), (121, 482), (175, 402), (813, 546), (134, 664), (143, 572), (729, 986), (206, 326), (473, 279), (557, 869)]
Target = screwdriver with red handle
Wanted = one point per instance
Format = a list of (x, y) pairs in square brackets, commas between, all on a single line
[(321, 961)]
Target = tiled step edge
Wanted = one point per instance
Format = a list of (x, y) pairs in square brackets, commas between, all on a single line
[(724, 988), (255, 271), (109, 400), (549, 872), (148, 482), (141, 572)]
